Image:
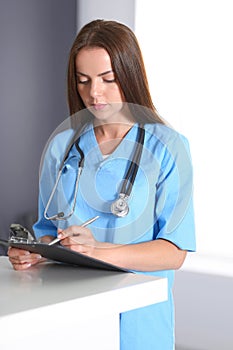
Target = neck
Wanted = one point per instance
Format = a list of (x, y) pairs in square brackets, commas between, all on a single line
[(113, 130), (109, 136)]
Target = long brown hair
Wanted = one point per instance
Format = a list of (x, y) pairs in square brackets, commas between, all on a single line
[(127, 63)]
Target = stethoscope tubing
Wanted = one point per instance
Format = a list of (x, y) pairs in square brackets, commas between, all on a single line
[(134, 164), (128, 180)]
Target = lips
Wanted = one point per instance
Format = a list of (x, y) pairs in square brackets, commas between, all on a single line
[(98, 106)]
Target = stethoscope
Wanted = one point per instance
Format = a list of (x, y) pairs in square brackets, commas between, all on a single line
[(120, 207)]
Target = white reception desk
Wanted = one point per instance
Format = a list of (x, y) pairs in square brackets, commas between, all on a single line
[(56, 306)]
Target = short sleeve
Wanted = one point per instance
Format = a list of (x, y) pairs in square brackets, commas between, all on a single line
[(174, 196), (43, 227)]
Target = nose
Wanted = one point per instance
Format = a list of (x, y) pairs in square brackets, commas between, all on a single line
[(96, 88)]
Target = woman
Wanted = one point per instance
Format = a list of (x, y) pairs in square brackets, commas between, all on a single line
[(107, 80)]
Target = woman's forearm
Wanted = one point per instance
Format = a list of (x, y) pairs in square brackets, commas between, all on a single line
[(149, 256)]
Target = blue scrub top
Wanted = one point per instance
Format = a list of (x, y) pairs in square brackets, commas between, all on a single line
[(161, 206)]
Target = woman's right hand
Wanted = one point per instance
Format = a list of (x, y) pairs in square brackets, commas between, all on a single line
[(23, 259)]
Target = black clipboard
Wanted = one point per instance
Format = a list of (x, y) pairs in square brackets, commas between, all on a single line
[(61, 254)]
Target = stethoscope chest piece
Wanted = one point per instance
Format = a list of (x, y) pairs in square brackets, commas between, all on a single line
[(120, 207)]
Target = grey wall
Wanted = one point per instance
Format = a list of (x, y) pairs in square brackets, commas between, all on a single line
[(35, 38), (120, 10), (204, 311)]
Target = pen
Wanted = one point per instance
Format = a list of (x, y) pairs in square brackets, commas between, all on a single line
[(83, 225)]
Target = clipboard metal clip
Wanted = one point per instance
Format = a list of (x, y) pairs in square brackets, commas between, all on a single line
[(19, 234)]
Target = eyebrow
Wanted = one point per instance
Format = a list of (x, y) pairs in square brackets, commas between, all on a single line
[(99, 75)]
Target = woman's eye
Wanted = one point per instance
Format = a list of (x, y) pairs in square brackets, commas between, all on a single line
[(80, 81), (110, 80)]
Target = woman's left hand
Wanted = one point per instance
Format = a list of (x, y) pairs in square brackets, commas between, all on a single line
[(78, 238)]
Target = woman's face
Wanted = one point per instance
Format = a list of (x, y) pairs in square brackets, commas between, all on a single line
[(97, 85)]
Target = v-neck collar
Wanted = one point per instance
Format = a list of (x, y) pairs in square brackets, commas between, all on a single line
[(90, 147), (130, 135)]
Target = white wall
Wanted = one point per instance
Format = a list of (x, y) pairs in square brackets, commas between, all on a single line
[(188, 52)]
